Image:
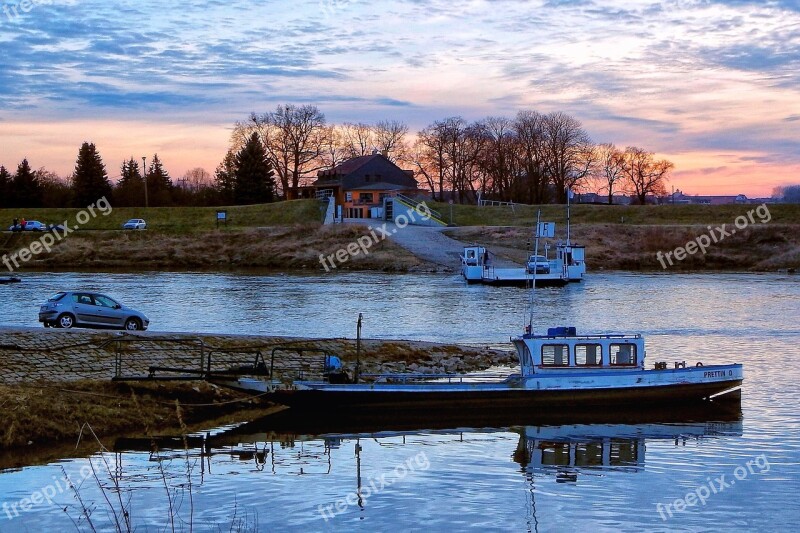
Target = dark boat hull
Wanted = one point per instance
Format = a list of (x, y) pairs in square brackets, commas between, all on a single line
[(333, 400)]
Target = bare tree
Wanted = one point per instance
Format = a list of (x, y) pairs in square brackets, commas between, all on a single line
[(500, 158), (357, 139), (529, 128), (295, 140), (569, 154), (610, 169), (389, 137), (196, 178), (644, 174)]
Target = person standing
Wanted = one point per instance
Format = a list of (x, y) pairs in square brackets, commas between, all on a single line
[(15, 224), (22, 223)]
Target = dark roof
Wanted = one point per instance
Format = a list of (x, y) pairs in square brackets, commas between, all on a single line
[(351, 165)]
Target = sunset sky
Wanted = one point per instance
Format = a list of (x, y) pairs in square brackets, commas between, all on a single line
[(714, 86)]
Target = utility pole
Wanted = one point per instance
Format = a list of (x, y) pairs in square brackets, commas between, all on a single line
[(144, 173), (358, 350)]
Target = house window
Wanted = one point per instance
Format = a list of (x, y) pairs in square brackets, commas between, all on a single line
[(348, 197), (366, 178), (623, 354), (588, 355), (555, 355), (365, 197)]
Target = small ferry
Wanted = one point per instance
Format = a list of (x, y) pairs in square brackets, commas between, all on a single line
[(568, 266), (558, 370)]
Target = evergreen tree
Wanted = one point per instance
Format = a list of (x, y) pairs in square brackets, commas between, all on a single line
[(225, 178), (254, 178), (26, 189), (159, 184), (129, 191), (5, 187), (89, 181)]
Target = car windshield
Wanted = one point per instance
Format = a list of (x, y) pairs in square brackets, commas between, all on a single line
[(56, 297), (537, 258)]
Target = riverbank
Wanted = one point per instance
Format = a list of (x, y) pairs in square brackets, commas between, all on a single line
[(55, 385), (289, 236)]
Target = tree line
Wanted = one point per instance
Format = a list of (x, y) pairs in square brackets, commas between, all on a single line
[(249, 181), (530, 158)]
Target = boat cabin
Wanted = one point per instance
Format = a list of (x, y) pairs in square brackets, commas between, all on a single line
[(562, 349)]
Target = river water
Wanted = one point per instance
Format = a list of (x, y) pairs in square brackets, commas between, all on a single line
[(699, 472)]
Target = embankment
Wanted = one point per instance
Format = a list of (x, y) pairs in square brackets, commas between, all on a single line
[(760, 247), (53, 382)]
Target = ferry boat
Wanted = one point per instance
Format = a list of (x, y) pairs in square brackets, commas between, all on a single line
[(560, 370), (568, 266)]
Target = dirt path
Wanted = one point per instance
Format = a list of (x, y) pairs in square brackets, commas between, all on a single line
[(430, 244)]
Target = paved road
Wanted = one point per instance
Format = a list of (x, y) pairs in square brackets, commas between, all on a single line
[(430, 244)]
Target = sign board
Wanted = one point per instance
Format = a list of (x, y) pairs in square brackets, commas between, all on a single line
[(222, 216), (546, 230)]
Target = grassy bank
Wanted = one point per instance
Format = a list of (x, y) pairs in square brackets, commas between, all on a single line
[(179, 220), (763, 247), (289, 236), (525, 215), (43, 421), (295, 247)]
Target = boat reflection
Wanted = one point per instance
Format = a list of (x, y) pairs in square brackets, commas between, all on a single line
[(301, 446), (567, 450)]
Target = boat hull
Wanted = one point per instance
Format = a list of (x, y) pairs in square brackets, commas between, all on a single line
[(332, 399), (564, 393)]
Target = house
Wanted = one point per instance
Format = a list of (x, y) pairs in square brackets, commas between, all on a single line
[(361, 184)]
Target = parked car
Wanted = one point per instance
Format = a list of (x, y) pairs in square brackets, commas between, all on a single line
[(135, 223), (89, 310), (30, 225), (539, 263)]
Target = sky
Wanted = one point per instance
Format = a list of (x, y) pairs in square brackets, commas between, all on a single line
[(713, 86)]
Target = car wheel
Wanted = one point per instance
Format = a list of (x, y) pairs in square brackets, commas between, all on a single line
[(65, 321), (133, 324)]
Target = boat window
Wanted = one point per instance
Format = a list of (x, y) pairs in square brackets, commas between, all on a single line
[(588, 355), (623, 354), (555, 355)]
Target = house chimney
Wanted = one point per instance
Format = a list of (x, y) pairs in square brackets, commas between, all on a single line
[(374, 151), (385, 153)]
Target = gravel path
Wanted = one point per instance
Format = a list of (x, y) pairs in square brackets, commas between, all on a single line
[(430, 244)]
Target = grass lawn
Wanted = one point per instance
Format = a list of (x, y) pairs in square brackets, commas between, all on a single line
[(179, 219), (525, 215)]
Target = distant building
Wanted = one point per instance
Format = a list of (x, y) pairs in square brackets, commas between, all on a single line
[(678, 197), (361, 184)]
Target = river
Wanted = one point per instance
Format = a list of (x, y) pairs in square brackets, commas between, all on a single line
[(710, 473)]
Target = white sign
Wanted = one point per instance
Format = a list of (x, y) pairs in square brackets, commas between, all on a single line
[(546, 230)]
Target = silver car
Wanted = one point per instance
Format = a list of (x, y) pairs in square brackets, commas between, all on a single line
[(89, 310), (135, 223)]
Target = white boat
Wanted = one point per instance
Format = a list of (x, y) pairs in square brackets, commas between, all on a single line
[(559, 370), (568, 266)]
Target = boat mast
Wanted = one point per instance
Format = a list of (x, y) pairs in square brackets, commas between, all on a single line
[(569, 193), (529, 327), (358, 350)]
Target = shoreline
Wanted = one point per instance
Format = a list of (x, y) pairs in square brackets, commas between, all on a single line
[(296, 249), (54, 382)]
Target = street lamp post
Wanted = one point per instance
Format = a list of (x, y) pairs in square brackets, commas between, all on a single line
[(144, 174)]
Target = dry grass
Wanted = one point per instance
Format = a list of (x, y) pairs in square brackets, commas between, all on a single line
[(762, 247), (279, 247), (42, 420)]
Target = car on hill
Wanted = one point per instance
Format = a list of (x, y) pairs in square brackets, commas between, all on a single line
[(82, 309), (135, 223), (30, 225)]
